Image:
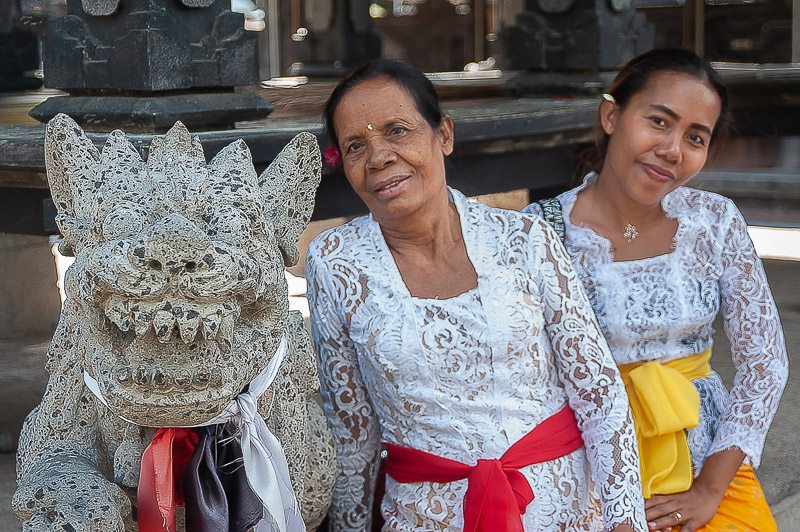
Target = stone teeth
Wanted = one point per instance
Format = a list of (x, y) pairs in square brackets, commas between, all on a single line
[(141, 375), (183, 378), (164, 379), (201, 378), (122, 321), (163, 323), (211, 323), (216, 378), (214, 321), (188, 325), (122, 373), (161, 378), (142, 320), (225, 336), (117, 312)]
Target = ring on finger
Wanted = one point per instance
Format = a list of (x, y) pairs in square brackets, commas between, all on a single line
[(678, 517)]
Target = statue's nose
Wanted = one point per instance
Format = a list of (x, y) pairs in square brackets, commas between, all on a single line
[(177, 245)]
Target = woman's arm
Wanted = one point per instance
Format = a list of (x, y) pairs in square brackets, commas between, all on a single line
[(759, 354), (346, 401), (758, 348), (593, 385)]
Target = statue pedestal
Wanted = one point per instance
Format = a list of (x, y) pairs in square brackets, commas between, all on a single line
[(155, 113)]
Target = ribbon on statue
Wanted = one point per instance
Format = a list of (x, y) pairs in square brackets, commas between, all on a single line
[(163, 466), (264, 461), (217, 494)]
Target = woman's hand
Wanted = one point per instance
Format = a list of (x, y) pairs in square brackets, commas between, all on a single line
[(690, 509), (695, 507)]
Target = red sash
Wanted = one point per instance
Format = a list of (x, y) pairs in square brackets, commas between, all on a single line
[(497, 493)]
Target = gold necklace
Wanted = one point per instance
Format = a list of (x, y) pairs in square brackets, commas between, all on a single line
[(630, 233)]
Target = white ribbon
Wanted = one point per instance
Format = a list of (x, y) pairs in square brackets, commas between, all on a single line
[(264, 462)]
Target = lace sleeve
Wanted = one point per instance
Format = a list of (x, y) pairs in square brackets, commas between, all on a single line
[(757, 344), (345, 399), (593, 385)]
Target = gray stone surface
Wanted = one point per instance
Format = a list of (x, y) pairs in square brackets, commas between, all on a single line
[(116, 58), (577, 35), (176, 301), (99, 8)]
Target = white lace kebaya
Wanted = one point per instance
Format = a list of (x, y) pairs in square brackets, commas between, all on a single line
[(662, 308), (466, 377)]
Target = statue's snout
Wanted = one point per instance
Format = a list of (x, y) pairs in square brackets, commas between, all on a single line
[(174, 246)]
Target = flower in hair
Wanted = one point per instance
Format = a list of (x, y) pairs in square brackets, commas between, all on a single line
[(332, 156)]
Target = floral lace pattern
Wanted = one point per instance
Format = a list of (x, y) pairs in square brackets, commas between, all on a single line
[(466, 377), (663, 307)]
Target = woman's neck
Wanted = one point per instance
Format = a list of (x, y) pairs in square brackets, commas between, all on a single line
[(610, 202), (635, 230), (429, 250), (430, 231)]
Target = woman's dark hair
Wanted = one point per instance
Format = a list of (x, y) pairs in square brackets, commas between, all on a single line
[(634, 77), (418, 86)]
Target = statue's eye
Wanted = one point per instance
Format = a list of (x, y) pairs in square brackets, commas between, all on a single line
[(230, 225), (123, 221)]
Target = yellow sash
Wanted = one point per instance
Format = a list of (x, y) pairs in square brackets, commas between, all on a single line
[(663, 404)]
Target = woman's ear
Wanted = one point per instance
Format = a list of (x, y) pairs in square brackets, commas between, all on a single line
[(609, 113), (446, 134)]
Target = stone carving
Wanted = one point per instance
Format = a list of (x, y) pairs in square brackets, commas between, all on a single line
[(146, 63), (576, 35), (148, 45), (176, 301)]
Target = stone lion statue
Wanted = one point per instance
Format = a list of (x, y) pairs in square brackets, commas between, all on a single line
[(176, 314)]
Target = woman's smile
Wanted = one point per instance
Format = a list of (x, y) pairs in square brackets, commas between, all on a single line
[(658, 173), (391, 186)]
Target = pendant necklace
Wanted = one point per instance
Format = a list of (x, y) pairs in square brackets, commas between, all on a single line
[(630, 233)]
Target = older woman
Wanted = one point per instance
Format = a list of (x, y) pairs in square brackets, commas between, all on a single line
[(459, 336), (659, 261)]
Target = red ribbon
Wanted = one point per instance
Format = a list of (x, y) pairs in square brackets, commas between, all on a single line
[(497, 493), (161, 478)]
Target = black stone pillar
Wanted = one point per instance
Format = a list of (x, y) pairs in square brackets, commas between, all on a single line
[(572, 35), (146, 63)]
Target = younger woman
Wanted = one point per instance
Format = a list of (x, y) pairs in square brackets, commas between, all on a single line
[(659, 261)]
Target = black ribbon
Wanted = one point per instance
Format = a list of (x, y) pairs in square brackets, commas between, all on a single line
[(218, 497)]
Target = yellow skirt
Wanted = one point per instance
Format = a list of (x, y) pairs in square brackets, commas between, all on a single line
[(744, 508)]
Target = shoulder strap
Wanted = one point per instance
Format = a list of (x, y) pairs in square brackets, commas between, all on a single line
[(552, 214)]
